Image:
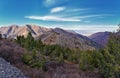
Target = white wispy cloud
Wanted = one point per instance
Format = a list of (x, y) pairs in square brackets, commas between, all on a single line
[(90, 16), (87, 16), (53, 18), (48, 3), (66, 14), (63, 18), (57, 9), (78, 9)]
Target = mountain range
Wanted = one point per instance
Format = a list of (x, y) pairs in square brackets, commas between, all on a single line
[(56, 36)]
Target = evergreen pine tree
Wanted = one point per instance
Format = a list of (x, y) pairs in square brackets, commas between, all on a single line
[(0, 36)]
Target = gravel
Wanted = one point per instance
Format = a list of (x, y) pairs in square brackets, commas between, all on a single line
[(8, 71)]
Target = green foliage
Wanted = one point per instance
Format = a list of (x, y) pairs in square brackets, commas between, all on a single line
[(0, 36), (86, 60), (106, 59), (112, 56), (32, 60), (107, 64)]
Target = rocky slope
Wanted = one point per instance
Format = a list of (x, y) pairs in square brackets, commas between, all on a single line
[(51, 36), (100, 38), (68, 39), (8, 71)]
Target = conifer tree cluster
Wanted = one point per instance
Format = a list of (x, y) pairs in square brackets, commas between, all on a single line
[(106, 60)]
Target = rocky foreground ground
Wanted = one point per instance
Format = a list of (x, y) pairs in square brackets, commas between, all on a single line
[(8, 71)]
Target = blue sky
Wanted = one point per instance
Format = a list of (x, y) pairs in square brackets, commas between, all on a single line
[(82, 15)]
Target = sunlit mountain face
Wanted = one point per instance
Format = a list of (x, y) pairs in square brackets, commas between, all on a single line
[(84, 16)]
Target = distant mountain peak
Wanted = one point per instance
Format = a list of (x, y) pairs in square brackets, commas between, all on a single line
[(100, 37)]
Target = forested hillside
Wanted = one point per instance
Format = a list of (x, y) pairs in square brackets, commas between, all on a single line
[(37, 55), (105, 60)]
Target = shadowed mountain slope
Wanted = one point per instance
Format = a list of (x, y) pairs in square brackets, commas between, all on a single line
[(100, 38)]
